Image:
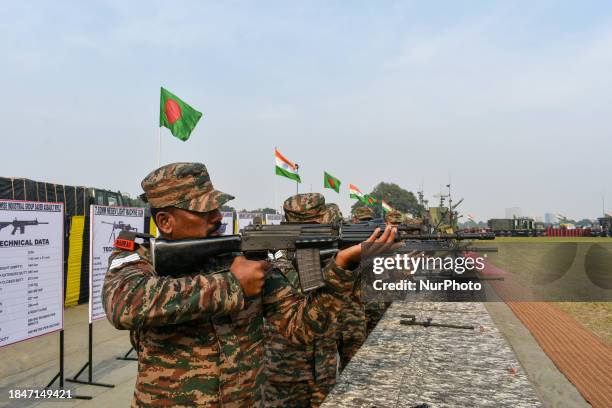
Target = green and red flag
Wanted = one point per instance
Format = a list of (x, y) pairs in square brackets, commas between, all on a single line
[(285, 167), (177, 116), (369, 200), (355, 193), (330, 181), (386, 207)]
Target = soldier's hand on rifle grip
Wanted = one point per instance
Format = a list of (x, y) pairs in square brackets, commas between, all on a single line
[(250, 274), (386, 242), (352, 255)]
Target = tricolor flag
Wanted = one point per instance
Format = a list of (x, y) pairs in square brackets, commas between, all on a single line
[(369, 200), (471, 217), (609, 213), (330, 181), (355, 192), (285, 167), (386, 207)]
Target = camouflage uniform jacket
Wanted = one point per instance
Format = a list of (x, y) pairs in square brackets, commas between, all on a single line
[(199, 339), (288, 361), (351, 325)]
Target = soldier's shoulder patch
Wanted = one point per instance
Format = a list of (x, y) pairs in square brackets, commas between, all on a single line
[(123, 259)]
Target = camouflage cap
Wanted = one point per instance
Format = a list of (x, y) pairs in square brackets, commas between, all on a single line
[(410, 220), (182, 185), (310, 207), (394, 217), (363, 213), (332, 213)]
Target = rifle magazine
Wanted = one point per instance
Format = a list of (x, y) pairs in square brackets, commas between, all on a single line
[(309, 269)]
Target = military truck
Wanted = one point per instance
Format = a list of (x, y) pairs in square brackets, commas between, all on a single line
[(76, 199), (606, 226), (515, 227)]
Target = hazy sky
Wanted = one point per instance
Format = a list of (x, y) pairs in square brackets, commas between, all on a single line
[(512, 100)]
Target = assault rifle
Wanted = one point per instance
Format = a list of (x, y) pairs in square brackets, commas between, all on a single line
[(120, 225), (305, 244), (19, 225)]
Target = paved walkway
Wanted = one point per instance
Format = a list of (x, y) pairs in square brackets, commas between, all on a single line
[(33, 363), (405, 366)]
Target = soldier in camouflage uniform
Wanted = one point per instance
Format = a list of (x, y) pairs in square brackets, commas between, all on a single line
[(394, 217), (301, 375), (375, 310), (199, 337), (363, 214), (352, 318)]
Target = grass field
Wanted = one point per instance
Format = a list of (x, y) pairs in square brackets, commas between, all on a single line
[(555, 240), (595, 316), (530, 262)]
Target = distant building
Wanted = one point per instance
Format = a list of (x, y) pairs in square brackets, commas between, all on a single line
[(513, 212), (550, 218)]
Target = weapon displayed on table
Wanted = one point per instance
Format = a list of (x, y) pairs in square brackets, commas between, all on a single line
[(121, 226), (412, 321), (304, 244), (19, 225)]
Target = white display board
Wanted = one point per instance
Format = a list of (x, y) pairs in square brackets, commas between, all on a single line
[(31, 269), (274, 219), (105, 225), (246, 218), (228, 223)]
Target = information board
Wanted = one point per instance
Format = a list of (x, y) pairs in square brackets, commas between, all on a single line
[(228, 223), (105, 226), (31, 269), (246, 218), (273, 219)]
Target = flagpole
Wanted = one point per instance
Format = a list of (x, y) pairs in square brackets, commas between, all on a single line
[(276, 206), (297, 185), (159, 149), (275, 196)]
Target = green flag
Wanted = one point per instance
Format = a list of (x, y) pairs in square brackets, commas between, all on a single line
[(330, 181), (369, 200), (177, 116)]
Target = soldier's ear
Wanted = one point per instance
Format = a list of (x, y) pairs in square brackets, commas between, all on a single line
[(165, 223)]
